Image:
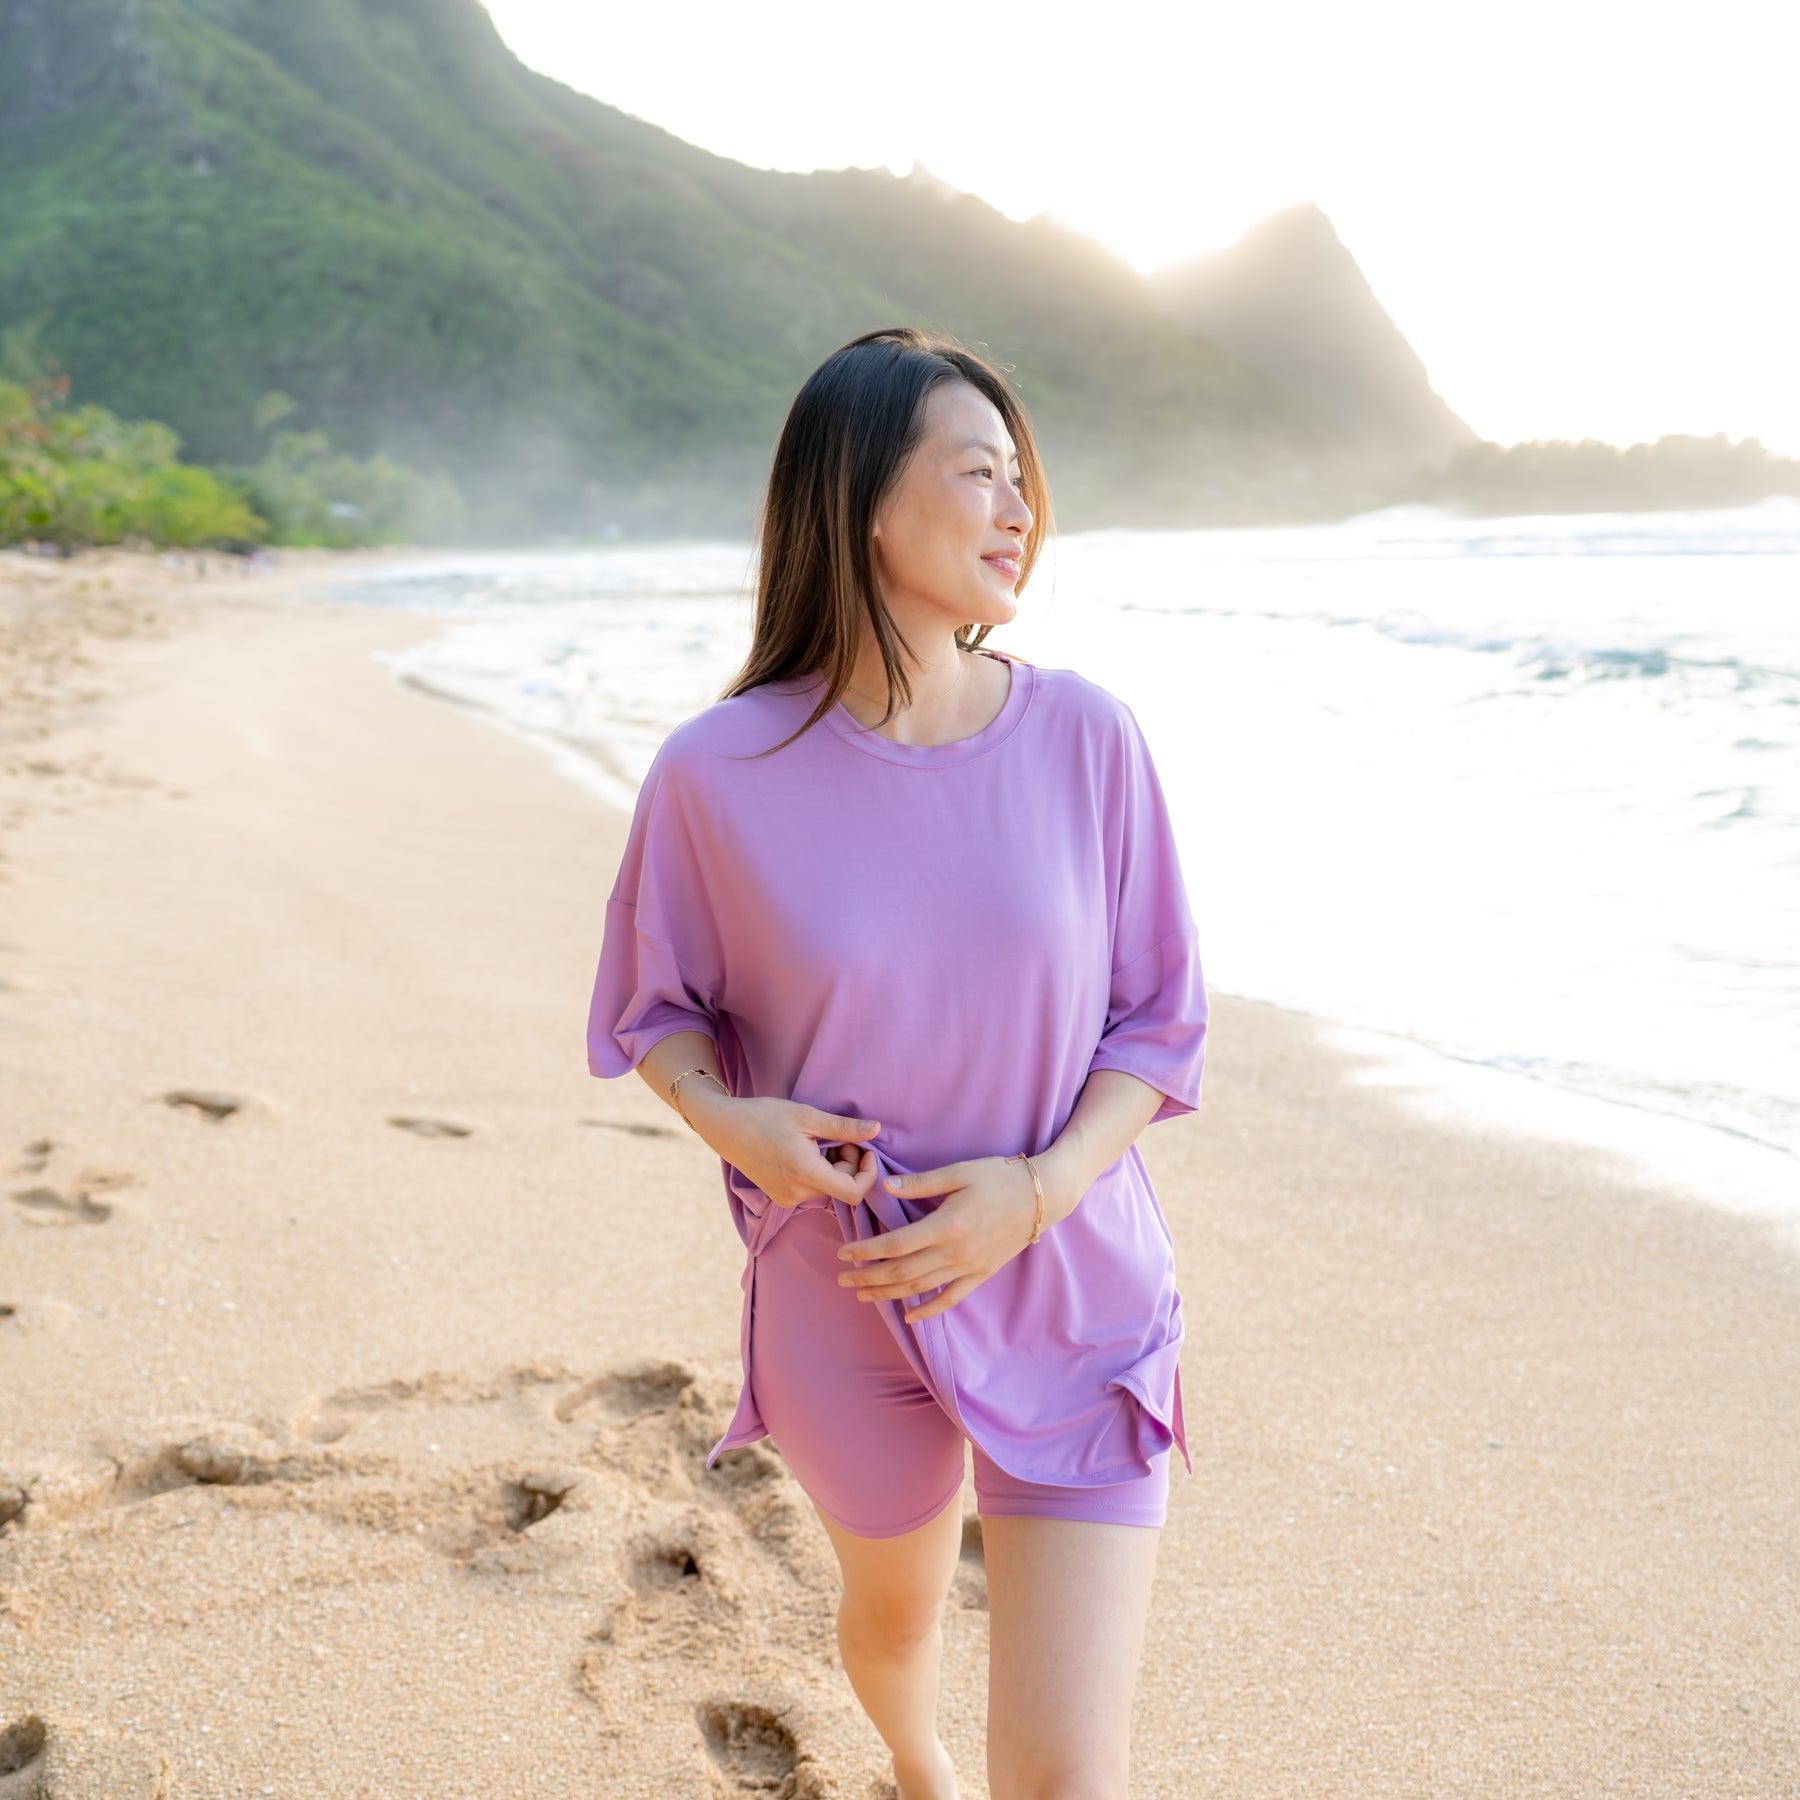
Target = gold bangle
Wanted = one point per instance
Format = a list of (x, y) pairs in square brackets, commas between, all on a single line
[(1037, 1187), (675, 1097)]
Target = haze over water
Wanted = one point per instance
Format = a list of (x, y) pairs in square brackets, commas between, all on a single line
[(1526, 791)]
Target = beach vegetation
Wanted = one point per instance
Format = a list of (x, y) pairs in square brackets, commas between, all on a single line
[(76, 476), (312, 493), (1558, 476)]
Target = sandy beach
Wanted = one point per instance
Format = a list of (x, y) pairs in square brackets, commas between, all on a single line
[(359, 1353)]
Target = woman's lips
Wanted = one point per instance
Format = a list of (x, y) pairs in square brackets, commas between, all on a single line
[(1007, 565)]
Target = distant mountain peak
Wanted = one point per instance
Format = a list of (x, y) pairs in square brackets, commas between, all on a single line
[(921, 178), (1291, 300), (1300, 225)]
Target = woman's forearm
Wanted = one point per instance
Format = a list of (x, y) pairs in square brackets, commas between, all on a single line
[(667, 1057), (772, 1142), (1110, 1111)]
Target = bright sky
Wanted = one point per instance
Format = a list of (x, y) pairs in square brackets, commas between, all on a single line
[(1582, 213)]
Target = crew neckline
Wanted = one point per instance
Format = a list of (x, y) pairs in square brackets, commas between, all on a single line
[(995, 732)]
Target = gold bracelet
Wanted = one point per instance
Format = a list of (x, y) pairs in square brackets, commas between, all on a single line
[(1037, 1187), (675, 1098)]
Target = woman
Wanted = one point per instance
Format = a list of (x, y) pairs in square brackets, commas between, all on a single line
[(900, 932)]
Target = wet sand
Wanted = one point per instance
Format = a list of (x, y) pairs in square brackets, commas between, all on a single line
[(359, 1352)]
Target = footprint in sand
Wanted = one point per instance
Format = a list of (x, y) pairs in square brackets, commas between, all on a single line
[(204, 1103), (753, 1752), (665, 1567), (669, 1610), (633, 1128), (75, 1202), (227, 1456), (46, 1206), (476, 1466), (502, 1414), (432, 1128), (627, 1393), (656, 1422), (34, 1159), (533, 1498), (22, 1759)]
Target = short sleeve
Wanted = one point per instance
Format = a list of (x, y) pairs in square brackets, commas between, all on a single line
[(1157, 1007), (661, 960)]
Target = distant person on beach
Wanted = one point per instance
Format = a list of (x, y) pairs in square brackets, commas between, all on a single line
[(901, 932)]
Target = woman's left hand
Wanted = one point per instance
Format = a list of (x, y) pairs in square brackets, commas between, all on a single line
[(984, 1222)]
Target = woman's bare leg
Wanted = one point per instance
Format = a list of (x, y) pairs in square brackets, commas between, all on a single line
[(891, 1638), (1067, 1603)]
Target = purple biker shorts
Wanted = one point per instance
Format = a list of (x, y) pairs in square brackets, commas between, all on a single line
[(865, 1438)]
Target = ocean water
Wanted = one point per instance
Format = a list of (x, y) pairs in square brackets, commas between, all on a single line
[(1521, 796)]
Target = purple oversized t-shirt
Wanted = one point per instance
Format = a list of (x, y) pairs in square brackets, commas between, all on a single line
[(945, 938)]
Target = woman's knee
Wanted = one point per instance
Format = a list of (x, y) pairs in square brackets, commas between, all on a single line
[(892, 1623), (895, 1588), (1054, 1777)]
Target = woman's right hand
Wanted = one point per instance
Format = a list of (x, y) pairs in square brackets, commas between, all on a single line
[(773, 1144)]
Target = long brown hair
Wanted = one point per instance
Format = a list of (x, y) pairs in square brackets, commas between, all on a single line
[(849, 434)]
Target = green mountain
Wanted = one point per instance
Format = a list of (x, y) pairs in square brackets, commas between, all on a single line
[(372, 206)]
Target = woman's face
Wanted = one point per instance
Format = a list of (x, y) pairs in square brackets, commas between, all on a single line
[(950, 535)]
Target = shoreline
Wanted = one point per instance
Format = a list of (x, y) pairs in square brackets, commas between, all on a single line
[(1493, 1446)]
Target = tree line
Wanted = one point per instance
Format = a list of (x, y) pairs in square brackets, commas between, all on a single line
[(76, 476)]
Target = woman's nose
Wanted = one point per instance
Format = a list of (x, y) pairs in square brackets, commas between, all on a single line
[(1014, 514)]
